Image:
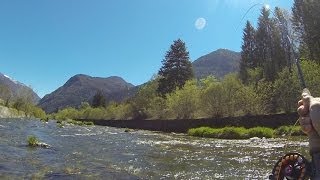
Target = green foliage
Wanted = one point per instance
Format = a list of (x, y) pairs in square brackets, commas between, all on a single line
[(158, 108), (287, 91), (306, 20), (98, 100), (68, 113), (92, 113), (212, 98), (208, 97), (88, 123), (289, 131), (183, 103), (261, 132), (243, 133), (311, 72), (79, 123), (5, 94), (32, 141), (231, 132), (176, 68), (265, 90), (145, 99), (248, 59)]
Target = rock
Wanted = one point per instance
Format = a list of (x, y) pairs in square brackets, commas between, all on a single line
[(259, 140), (43, 145), (254, 139)]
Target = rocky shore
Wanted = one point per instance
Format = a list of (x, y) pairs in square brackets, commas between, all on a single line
[(6, 112)]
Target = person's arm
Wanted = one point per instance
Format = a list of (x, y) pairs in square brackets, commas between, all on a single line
[(309, 112)]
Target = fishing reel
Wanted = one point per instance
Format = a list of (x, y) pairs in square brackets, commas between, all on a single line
[(291, 166)]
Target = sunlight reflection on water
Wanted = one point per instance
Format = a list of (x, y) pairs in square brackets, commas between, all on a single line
[(110, 153)]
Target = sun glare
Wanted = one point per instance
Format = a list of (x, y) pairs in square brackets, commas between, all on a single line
[(200, 23)]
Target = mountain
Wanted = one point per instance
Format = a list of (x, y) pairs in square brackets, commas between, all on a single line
[(217, 63), (81, 88), (16, 88)]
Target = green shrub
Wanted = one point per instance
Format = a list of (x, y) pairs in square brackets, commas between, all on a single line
[(223, 133), (289, 131), (198, 131), (261, 132), (88, 123), (233, 133), (32, 141)]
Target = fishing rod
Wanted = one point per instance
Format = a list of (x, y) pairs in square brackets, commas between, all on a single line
[(291, 165), (284, 30)]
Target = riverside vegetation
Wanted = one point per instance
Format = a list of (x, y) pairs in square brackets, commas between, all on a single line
[(243, 133)]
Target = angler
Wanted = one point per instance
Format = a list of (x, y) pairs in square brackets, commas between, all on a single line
[(294, 165)]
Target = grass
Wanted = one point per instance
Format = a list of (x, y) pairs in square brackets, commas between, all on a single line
[(74, 122), (289, 131), (243, 133), (221, 133), (32, 141)]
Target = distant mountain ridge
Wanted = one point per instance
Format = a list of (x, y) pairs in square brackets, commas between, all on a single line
[(81, 88), (17, 87), (217, 63)]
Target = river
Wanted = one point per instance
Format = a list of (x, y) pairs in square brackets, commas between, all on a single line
[(97, 152)]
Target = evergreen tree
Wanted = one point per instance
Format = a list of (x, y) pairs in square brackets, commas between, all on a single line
[(176, 68), (263, 37), (248, 47), (306, 19), (269, 49), (278, 60), (283, 23), (98, 100)]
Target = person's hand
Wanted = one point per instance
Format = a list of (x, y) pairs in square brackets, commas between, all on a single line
[(303, 111)]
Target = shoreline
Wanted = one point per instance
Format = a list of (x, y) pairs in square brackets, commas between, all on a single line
[(183, 125)]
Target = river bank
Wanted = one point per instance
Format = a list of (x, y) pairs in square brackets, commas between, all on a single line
[(6, 112), (183, 125)]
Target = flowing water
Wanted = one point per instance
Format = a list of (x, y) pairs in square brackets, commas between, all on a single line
[(96, 152)]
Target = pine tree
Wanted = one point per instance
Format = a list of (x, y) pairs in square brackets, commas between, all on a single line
[(306, 19), (98, 100), (283, 23), (176, 68), (263, 39), (248, 47), (269, 50), (277, 50)]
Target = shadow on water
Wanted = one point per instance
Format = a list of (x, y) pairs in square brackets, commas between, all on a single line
[(91, 152)]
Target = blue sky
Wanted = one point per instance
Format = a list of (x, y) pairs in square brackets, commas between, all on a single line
[(45, 42)]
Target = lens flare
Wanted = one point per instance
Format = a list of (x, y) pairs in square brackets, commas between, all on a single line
[(200, 23)]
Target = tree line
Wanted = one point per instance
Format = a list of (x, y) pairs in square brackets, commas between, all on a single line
[(279, 39), (22, 101)]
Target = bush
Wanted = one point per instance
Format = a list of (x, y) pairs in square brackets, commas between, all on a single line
[(221, 133), (243, 133), (261, 132), (233, 133), (32, 141), (289, 131)]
